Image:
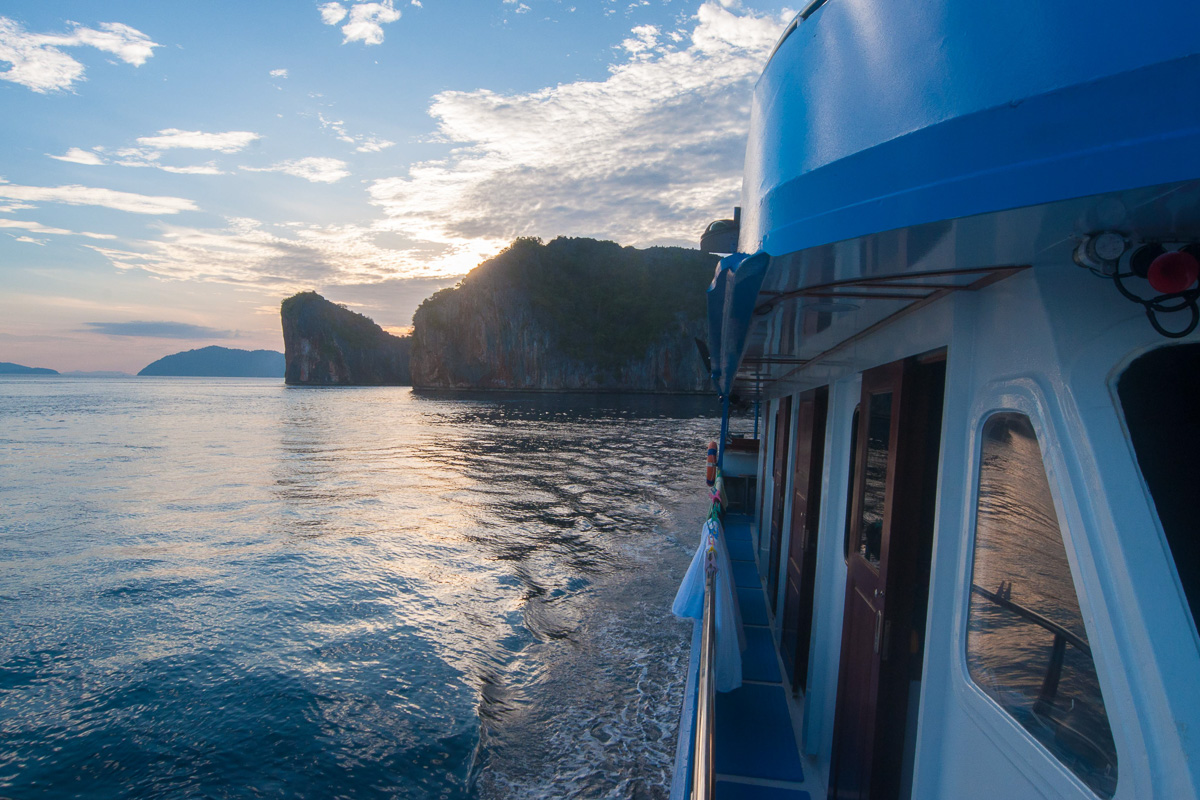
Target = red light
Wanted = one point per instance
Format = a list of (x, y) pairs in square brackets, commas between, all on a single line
[(1171, 273)]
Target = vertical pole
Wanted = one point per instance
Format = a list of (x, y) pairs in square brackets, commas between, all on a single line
[(724, 432)]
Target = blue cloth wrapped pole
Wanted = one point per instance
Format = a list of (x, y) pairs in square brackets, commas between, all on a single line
[(689, 604)]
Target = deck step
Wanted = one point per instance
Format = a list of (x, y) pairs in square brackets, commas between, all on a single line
[(740, 549), (759, 662), (753, 606), (745, 575), (754, 735), (737, 527), (729, 790)]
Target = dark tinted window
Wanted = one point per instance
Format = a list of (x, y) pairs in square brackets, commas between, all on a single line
[(879, 434), (1160, 394), (1027, 647)]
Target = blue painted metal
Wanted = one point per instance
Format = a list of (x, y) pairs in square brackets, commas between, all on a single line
[(754, 735), (732, 296), (874, 115)]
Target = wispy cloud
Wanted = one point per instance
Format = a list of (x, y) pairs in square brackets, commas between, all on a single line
[(159, 330), (366, 20), (227, 142), (645, 156), (39, 63), (365, 144), (94, 196), (287, 257), (279, 73), (315, 169), (79, 156), (151, 148), (37, 227)]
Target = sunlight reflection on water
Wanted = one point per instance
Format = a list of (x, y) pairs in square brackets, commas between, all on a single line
[(234, 589)]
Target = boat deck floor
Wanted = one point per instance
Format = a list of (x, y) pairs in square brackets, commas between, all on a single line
[(756, 746)]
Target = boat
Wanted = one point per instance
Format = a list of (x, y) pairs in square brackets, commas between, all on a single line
[(961, 286)]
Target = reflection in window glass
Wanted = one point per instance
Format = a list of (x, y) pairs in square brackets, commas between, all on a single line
[(1026, 643), (879, 433), (847, 540)]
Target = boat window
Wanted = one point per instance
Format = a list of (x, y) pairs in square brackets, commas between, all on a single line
[(879, 434), (1027, 647), (1160, 393)]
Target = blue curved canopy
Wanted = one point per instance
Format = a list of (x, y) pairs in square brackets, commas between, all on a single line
[(732, 296), (875, 116)]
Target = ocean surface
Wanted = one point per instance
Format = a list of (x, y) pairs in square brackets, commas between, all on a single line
[(235, 589)]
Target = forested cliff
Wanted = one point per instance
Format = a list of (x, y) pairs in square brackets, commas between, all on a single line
[(327, 345), (571, 314)]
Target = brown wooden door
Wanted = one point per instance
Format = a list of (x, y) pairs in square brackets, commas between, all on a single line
[(783, 419), (802, 540), (887, 573)]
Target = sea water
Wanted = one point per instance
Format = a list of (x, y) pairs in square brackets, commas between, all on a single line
[(237, 589)]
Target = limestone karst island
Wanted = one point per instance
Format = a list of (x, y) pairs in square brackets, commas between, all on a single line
[(566, 315)]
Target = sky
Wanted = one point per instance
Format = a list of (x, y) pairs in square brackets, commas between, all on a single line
[(170, 172)]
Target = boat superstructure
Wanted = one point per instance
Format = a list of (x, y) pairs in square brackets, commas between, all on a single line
[(963, 287)]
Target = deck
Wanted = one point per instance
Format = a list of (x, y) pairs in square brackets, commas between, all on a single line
[(757, 754)]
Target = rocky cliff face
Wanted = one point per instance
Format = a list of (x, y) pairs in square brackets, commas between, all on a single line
[(327, 345), (574, 314)]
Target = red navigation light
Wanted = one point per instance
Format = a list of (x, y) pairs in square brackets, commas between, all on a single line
[(1172, 273)]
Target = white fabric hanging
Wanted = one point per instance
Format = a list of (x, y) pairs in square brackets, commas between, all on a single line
[(689, 604)]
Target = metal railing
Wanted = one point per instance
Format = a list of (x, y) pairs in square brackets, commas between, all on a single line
[(1062, 637), (703, 771)]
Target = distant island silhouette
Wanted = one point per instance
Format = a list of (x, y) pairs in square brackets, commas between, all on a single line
[(9, 368), (218, 362)]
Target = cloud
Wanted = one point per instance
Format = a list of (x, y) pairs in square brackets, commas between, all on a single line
[(366, 144), (333, 13), (366, 20), (78, 156), (159, 330), (37, 227), (279, 73), (289, 257), (31, 240), (646, 156), (198, 169), (227, 142), (92, 196), (39, 64), (314, 169)]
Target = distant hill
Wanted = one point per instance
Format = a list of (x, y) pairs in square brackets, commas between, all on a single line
[(328, 345), (8, 368), (219, 362)]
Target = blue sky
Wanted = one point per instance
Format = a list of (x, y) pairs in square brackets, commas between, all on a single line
[(187, 165)]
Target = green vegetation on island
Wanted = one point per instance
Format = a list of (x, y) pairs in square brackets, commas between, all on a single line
[(329, 345), (576, 314)]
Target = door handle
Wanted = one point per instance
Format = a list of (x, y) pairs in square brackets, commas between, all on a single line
[(878, 628)]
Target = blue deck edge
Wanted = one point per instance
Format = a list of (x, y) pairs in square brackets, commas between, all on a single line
[(681, 781)]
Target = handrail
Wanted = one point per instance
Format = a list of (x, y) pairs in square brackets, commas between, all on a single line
[(703, 771), (1058, 648), (1034, 617)]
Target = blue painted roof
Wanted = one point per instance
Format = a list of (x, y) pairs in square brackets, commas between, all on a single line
[(879, 115)]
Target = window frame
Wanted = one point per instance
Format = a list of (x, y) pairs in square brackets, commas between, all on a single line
[(1026, 397)]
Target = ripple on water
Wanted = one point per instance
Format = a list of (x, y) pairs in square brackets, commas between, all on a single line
[(232, 589)]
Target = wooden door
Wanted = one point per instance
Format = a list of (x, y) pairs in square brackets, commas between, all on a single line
[(783, 419), (887, 573), (802, 539)]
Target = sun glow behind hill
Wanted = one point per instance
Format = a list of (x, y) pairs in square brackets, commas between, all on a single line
[(374, 158)]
